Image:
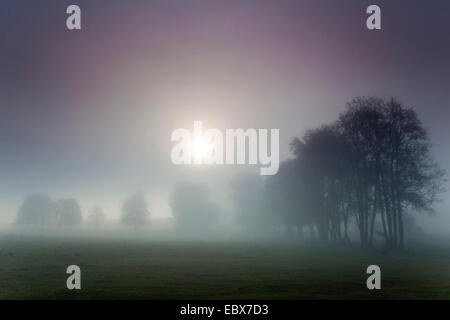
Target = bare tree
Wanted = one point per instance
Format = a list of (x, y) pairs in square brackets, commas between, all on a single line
[(392, 167)]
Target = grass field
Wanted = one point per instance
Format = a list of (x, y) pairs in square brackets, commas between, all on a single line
[(34, 268)]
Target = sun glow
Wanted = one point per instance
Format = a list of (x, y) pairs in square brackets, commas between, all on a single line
[(200, 149), (241, 147)]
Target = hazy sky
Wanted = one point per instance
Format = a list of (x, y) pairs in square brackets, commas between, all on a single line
[(89, 113)]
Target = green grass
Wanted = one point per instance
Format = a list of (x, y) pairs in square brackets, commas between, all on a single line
[(34, 268)]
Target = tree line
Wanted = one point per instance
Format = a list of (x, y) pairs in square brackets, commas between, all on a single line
[(190, 203), (40, 211), (366, 171)]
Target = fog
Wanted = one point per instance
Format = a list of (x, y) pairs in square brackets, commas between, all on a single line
[(87, 116)]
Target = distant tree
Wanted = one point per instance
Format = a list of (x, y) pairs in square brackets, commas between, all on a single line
[(68, 212), (96, 218), (134, 211), (36, 210), (192, 208), (283, 192), (248, 197)]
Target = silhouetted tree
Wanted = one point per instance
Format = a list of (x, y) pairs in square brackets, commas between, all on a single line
[(36, 210), (68, 212), (370, 165), (96, 218), (363, 127), (393, 167), (321, 161), (191, 207), (134, 211)]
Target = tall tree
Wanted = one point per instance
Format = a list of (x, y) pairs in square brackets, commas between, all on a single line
[(370, 166), (363, 128), (391, 164), (321, 157)]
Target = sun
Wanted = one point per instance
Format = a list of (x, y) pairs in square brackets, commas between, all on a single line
[(200, 149)]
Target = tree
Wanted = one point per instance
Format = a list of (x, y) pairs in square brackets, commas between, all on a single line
[(392, 168), (308, 190), (96, 218), (68, 212), (371, 165), (191, 207), (248, 197), (36, 211), (134, 211), (322, 163), (285, 195), (413, 178), (363, 127)]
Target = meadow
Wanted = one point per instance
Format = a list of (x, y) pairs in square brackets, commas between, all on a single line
[(34, 267)]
